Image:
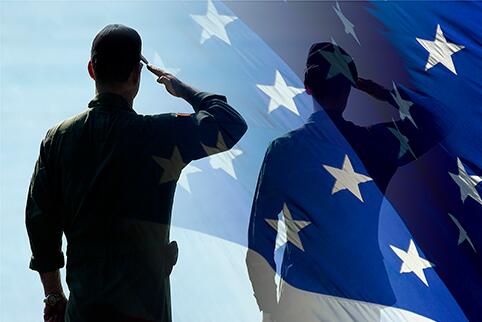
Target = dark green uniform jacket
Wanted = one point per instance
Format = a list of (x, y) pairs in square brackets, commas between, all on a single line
[(106, 179)]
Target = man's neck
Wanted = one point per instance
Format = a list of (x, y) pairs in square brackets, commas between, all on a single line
[(106, 89), (316, 106), (330, 111)]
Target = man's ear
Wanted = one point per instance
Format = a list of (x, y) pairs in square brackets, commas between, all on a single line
[(135, 75), (90, 68), (308, 90)]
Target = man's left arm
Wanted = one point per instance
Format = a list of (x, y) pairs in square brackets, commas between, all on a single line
[(44, 228), (260, 262)]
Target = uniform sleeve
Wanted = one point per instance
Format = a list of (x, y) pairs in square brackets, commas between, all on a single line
[(214, 127), (267, 204), (43, 221)]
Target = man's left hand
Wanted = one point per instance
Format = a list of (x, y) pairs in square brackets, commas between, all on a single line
[(55, 313)]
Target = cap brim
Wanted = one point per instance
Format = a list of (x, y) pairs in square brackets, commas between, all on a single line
[(144, 60)]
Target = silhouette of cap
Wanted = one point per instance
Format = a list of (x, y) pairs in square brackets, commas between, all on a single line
[(115, 50), (318, 66)]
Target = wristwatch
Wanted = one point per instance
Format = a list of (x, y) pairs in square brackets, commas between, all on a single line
[(53, 299)]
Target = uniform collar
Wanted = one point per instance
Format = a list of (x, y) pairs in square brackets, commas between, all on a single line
[(318, 116), (325, 126), (111, 101), (321, 114)]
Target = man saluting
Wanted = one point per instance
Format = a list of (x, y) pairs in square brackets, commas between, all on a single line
[(106, 179), (312, 177)]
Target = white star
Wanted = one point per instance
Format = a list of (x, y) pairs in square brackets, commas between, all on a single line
[(219, 147), (404, 146), (183, 179), (281, 94), (462, 233), (214, 24), (412, 262), (287, 229), (440, 51), (171, 167), (349, 27), (339, 63), (347, 178), (466, 183), (223, 160), (160, 63), (403, 105)]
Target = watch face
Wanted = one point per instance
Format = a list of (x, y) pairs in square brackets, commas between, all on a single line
[(52, 299)]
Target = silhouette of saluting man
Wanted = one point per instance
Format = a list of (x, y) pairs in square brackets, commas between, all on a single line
[(324, 229), (106, 179)]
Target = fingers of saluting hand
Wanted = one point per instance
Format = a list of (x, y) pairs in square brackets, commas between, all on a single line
[(164, 80), (171, 84), (156, 70)]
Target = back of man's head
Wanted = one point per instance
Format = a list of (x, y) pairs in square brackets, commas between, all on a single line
[(330, 71), (116, 50)]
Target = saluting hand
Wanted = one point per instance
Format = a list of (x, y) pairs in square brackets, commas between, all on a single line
[(373, 89), (173, 85)]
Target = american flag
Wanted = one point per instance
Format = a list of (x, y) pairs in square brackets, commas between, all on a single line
[(427, 226)]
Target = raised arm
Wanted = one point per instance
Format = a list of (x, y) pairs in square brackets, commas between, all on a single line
[(423, 123), (213, 127)]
